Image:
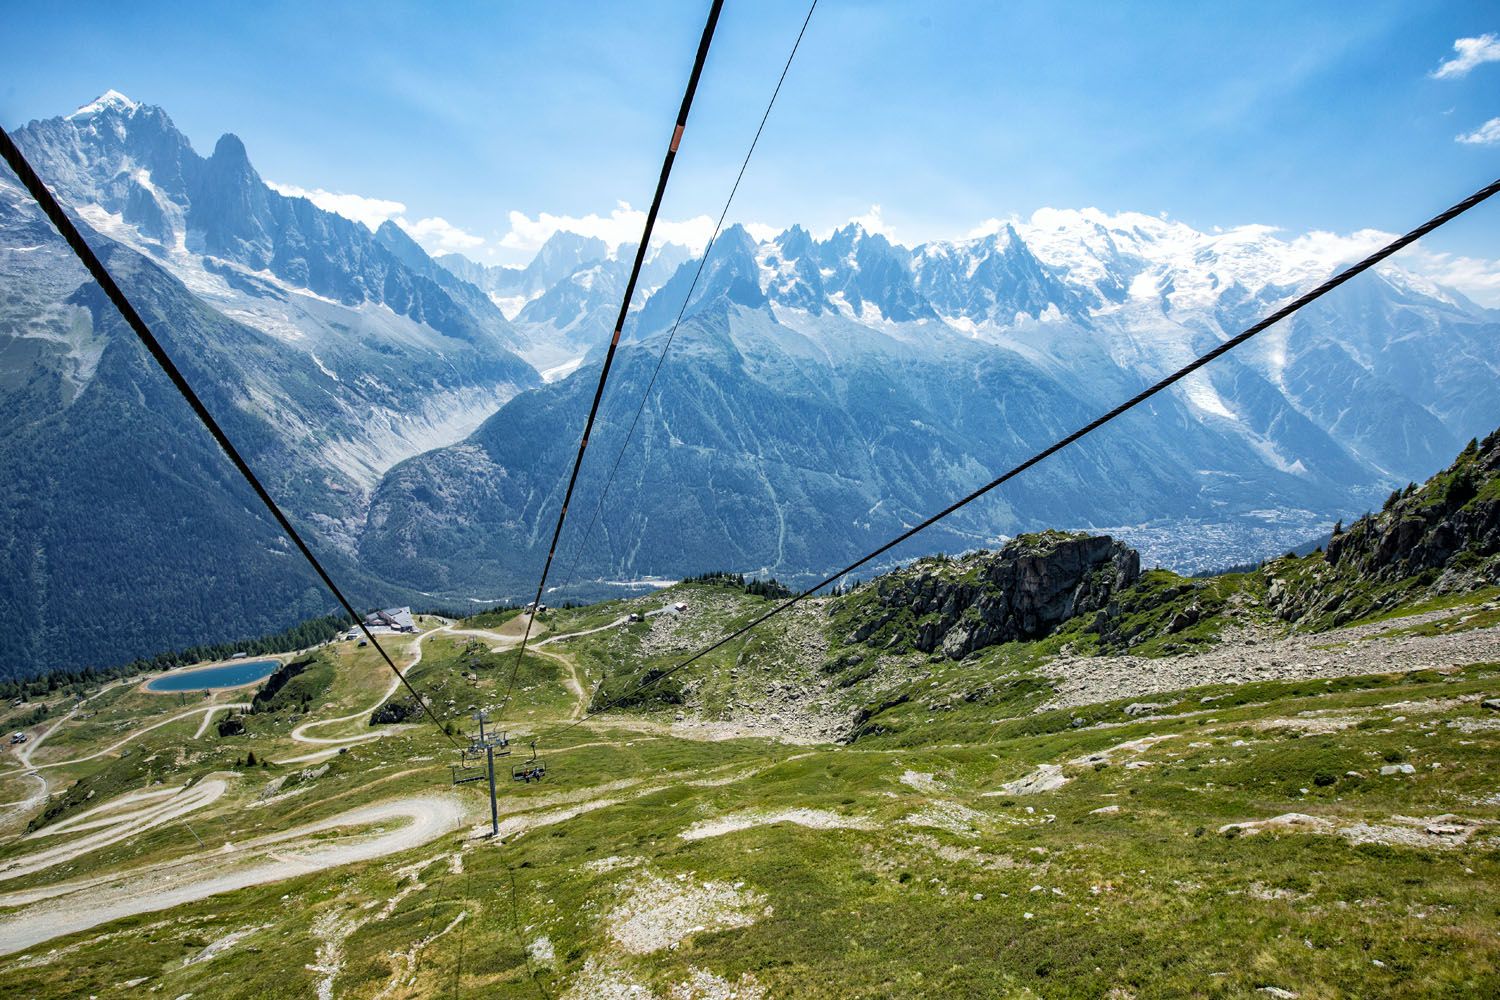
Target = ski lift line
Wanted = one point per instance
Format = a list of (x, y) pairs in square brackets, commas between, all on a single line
[(614, 341), (671, 335), (90, 260), (1284, 312), (515, 925)]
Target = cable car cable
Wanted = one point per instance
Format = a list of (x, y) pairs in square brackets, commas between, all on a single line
[(672, 334), (614, 341)]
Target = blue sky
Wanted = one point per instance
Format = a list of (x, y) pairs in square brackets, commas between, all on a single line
[(1299, 115)]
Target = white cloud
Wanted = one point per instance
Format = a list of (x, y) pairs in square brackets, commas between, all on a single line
[(989, 227), (435, 234), (1475, 277), (438, 235), (1336, 249), (1487, 134), (623, 225), (370, 211), (1471, 52), (872, 223)]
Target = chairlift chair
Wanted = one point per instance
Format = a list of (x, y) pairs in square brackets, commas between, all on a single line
[(533, 769), (463, 771)]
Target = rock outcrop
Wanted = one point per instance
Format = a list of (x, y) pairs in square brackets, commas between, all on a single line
[(1450, 523), (1023, 591), (1444, 535)]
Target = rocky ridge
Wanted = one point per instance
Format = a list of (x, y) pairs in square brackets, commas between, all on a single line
[(1443, 535), (1022, 591)]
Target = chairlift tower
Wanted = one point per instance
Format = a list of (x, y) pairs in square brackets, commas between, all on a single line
[(488, 743)]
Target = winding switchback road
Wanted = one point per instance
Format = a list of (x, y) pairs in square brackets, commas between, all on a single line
[(66, 909)]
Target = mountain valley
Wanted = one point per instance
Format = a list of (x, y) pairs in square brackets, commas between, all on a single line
[(821, 393), (1039, 769)]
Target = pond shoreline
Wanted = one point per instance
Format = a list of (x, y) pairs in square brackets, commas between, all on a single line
[(236, 674)]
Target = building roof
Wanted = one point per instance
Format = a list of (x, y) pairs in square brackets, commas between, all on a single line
[(397, 618)]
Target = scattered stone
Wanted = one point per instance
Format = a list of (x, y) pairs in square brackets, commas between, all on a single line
[(1398, 769), (1138, 708), (704, 985), (596, 981), (657, 914), (1046, 778), (542, 952), (813, 819), (1296, 822)]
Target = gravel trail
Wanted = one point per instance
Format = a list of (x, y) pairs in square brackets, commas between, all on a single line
[(257, 862)]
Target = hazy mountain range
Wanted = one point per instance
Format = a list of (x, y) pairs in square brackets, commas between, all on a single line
[(418, 416)]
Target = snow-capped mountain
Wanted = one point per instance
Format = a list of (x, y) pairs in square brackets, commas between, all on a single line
[(565, 302), (1089, 296), (330, 353), (823, 393), (835, 390), (413, 357)]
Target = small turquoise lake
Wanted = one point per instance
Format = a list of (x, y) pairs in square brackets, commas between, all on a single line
[(211, 678)]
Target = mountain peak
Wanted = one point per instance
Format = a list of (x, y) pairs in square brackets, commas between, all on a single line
[(110, 100), (230, 154)]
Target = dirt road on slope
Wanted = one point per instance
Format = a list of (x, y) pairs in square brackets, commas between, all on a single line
[(300, 733), (114, 826), (207, 710), (66, 909)]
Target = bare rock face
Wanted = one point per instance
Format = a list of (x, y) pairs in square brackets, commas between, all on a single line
[(1023, 591), (1444, 535), (1451, 523)]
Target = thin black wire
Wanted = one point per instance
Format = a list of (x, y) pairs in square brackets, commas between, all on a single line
[(515, 924), (54, 211), (1285, 311), (645, 396), (614, 342), (463, 932)]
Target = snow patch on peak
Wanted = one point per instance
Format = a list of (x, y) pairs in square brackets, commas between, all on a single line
[(110, 100)]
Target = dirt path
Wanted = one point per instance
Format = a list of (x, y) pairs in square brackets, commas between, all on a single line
[(299, 734), (25, 750), (511, 640), (508, 635), (572, 680), (207, 709), (67, 909), (115, 827), (32, 802), (208, 716)]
